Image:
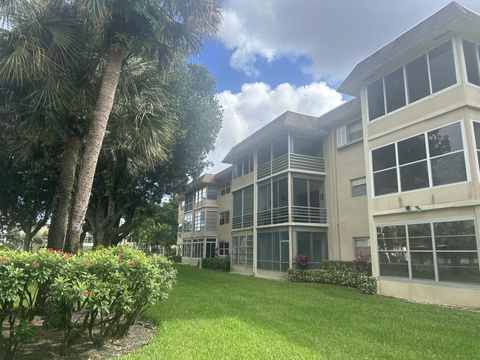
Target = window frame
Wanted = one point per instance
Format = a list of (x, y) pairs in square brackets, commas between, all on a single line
[(224, 217), (238, 173), (225, 188), (428, 159), (343, 133), (453, 42), (476, 156), (352, 186), (431, 222)]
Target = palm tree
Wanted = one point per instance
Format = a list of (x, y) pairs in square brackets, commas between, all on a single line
[(45, 81), (149, 28)]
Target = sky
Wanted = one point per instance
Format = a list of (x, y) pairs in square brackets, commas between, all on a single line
[(271, 56)]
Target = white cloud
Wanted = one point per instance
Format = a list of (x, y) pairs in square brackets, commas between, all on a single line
[(258, 104), (334, 35)]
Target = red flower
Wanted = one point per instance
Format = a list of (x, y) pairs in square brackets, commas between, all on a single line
[(88, 292), (51, 251), (133, 263), (4, 259)]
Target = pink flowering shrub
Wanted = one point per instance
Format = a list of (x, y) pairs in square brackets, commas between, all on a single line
[(301, 262)]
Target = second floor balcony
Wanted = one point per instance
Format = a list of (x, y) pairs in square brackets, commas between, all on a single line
[(290, 152)]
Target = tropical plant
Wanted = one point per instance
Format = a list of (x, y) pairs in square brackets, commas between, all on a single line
[(158, 30)]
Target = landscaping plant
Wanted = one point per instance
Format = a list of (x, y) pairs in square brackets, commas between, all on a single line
[(102, 291)]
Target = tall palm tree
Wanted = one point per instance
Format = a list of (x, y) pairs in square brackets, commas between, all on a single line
[(157, 29), (45, 77)]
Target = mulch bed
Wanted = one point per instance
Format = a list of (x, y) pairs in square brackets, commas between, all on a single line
[(46, 344)]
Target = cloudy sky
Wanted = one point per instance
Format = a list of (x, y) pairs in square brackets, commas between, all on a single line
[(277, 55)]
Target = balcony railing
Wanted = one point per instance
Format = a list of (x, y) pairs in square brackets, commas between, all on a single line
[(306, 162), (242, 222), (305, 214), (297, 161), (272, 216)]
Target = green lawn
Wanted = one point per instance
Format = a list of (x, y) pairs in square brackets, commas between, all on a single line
[(212, 315)]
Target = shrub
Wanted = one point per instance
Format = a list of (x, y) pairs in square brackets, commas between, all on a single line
[(175, 258), (107, 289), (354, 279), (362, 267), (217, 263)]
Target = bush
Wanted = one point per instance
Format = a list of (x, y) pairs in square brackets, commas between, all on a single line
[(107, 289), (175, 258), (217, 263), (363, 267), (361, 281)]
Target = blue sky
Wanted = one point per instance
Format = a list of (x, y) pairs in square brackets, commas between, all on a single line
[(271, 56)]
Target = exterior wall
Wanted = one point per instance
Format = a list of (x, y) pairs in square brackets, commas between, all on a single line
[(453, 201), (243, 181), (225, 203)]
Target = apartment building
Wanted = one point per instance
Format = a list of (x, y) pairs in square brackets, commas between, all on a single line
[(394, 172)]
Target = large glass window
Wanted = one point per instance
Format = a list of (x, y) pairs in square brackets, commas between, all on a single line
[(243, 208), (263, 154), (272, 249), (445, 155), (273, 201), (306, 146), (243, 166), (188, 222), (376, 102), (312, 244), (439, 251), (280, 147), (199, 221), (442, 67), (242, 251), (395, 90), (421, 77), (470, 51), (308, 200)]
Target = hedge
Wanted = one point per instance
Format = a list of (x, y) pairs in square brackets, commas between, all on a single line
[(107, 288), (362, 267), (354, 279), (217, 263), (175, 258)]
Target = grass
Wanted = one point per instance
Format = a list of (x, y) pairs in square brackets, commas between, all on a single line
[(212, 315)]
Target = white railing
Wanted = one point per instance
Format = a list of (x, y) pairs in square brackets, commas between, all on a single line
[(305, 214), (306, 162)]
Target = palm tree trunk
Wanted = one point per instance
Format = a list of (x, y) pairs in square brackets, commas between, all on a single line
[(93, 145), (58, 225)]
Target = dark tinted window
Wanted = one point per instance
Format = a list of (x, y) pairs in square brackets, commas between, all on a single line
[(411, 149), (376, 105), (442, 67), (384, 157), (445, 140), (471, 62), (395, 90), (417, 79)]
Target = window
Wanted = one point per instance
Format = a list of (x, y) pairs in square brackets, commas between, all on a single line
[(189, 201), (199, 221), (200, 195), (243, 208), (211, 221), (243, 166), (197, 248), (223, 248), (476, 131), (437, 251), (212, 192), (349, 133), (263, 154), (187, 248), (272, 249), (308, 201), (272, 201), (302, 145), (376, 101), (242, 250), (359, 187), (361, 246), (225, 188), (430, 159), (182, 205), (470, 51), (188, 222), (312, 244), (210, 248), (421, 77), (279, 147), (224, 217), (395, 90)]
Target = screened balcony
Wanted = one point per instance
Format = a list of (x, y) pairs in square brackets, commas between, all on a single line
[(303, 153), (308, 205)]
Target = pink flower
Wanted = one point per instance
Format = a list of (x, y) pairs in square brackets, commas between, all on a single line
[(88, 292), (133, 263), (51, 251)]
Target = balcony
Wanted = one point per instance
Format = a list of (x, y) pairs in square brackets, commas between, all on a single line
[(297, 162), (242, 222), (272, 216)]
